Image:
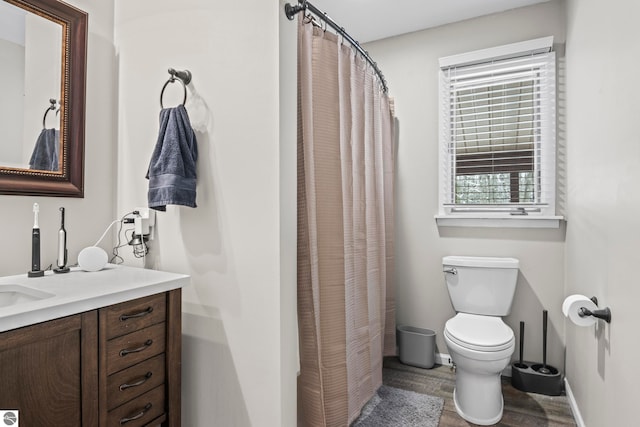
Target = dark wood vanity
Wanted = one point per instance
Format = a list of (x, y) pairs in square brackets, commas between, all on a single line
[(118, 365)]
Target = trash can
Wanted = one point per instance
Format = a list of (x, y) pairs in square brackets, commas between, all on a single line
[(417, 346)]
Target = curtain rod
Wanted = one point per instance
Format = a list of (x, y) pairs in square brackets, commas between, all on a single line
[(291, 11)]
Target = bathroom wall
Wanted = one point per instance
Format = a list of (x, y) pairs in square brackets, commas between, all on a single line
[(86, 218), (238, 245), (43, 70), (603, 229), (12, 51), (410, 64), (12, 87), (288, 135)]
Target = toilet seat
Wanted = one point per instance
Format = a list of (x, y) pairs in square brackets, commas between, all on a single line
[(480, 333)]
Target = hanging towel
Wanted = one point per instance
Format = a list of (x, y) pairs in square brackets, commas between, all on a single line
[(46, 151), (172, 169)]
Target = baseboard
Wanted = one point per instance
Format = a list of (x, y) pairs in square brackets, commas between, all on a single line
[(573, 404), (445, 359)]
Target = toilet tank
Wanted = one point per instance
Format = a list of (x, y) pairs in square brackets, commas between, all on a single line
[(481, 285)]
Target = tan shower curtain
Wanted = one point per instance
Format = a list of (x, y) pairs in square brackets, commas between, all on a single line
[(346, 308)]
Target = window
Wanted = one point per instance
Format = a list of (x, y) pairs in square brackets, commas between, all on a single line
[(497, 132)]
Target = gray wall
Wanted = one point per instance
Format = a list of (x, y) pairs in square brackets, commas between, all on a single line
[(410, 64), (86, 218), (603, 230)]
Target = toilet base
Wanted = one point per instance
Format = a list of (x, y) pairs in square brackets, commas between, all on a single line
[(481, 422), (478, 391), (478, 395)]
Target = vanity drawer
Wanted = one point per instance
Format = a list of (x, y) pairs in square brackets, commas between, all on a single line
[(135, 347), (130, 316), (131, 382), (140, 411)]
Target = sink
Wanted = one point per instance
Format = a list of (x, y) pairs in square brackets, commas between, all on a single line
[(11, 295)]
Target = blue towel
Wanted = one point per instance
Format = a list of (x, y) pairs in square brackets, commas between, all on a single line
[(46, 151), (172, 169)]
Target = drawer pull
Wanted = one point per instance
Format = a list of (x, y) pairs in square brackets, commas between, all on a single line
[(144, 379), (145, 346), (136, 315), (136, 416)]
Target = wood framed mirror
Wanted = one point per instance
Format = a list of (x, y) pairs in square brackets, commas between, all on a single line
[(43, 47)]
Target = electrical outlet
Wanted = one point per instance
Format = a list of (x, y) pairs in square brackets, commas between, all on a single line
[(144, 222)]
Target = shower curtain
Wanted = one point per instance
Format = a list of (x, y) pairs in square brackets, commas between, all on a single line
[(346, 308)]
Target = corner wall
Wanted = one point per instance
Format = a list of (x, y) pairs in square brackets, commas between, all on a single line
[(603, 230), (233, 244), (410, 64)]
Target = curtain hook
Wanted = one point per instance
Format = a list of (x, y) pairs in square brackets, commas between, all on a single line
[(307, 19)]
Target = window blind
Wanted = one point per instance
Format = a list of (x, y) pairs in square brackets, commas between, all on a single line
[(498, 135)]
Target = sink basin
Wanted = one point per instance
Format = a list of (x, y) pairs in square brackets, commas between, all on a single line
[(11, 295)]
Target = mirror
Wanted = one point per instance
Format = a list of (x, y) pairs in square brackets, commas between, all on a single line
[(42, 79)]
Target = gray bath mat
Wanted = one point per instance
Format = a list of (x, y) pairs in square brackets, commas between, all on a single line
[(394, 407)]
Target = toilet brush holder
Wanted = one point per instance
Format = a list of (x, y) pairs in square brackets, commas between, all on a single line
[(536, 377), (526, 376)]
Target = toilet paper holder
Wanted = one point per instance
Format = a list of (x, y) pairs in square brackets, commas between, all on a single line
[(604, 314)]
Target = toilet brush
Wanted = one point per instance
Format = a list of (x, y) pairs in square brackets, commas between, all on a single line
[(544, 370), (521, 363)]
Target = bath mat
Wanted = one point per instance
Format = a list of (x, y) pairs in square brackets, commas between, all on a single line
[(394, 407)]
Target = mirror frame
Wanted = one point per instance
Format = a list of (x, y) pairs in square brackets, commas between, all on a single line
[(69, 181)]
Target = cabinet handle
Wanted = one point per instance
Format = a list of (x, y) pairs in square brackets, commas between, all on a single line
[(136, 315), (136, 416), (145, 346), (144, 379)]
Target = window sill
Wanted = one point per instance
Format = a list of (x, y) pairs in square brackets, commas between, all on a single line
[(529, 221)]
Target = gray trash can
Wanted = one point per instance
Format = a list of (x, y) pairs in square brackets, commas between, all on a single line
[(417, 346)]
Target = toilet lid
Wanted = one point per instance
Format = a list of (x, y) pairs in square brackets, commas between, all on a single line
[(476, 332)]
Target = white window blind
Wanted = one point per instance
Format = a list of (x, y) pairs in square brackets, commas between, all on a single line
[(497, 133)]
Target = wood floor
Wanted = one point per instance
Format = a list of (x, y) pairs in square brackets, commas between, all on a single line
[(520, 409)]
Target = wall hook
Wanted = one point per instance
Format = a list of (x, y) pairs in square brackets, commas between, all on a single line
[(184, 75)]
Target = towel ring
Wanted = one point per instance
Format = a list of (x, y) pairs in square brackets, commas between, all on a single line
[(51, 107), (183, 77)]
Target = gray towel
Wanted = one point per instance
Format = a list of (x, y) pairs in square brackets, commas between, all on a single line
[(172, 169), (46, 151)]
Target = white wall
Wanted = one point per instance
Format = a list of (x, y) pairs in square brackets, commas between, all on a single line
[(86, 218), (603, 230), (410, 64), (12, 104), (12, 23), (289, 360), (43, 69), (233, 244)]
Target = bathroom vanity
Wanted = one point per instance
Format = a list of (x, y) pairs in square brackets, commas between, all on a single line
[(92, 349)]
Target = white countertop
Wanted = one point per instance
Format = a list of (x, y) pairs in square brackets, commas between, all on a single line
[(79, 291)]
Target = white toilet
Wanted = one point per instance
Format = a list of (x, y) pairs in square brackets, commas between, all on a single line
[(479, 342)]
